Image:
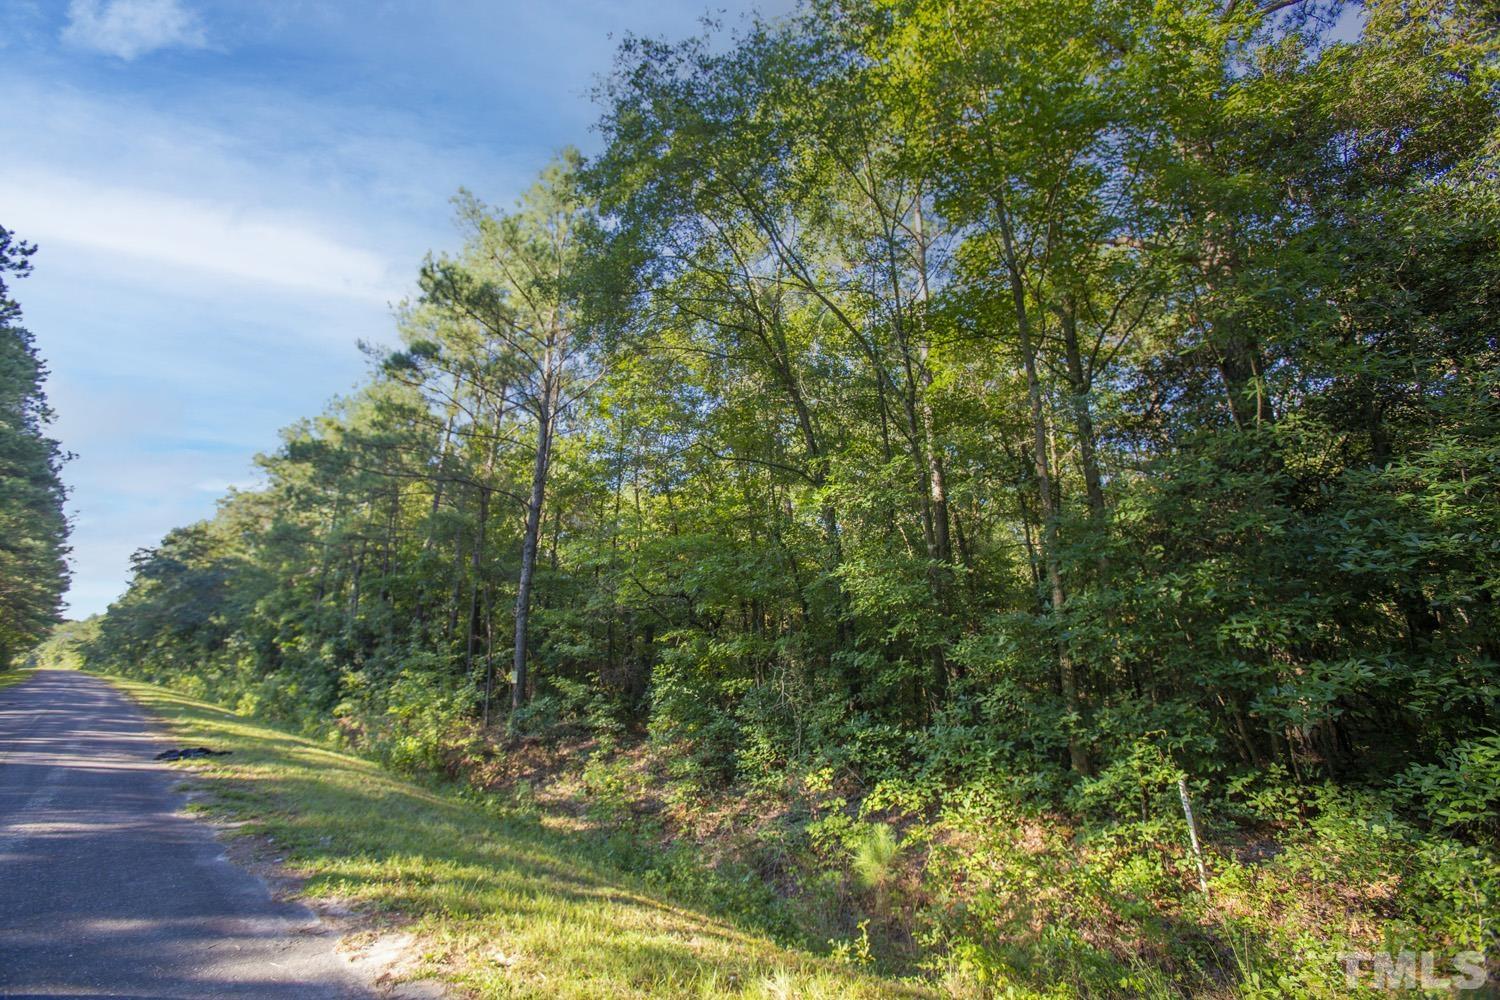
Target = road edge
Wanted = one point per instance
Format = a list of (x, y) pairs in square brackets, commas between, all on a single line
[(373, 950)]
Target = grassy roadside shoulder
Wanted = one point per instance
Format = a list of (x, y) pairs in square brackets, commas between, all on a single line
[(10, 678), (504, 903)]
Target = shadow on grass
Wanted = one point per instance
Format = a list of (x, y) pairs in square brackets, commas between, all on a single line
[(503, 903), (14, 676)]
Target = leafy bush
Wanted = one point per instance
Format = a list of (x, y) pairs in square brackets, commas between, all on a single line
[(429, 722), (1463, 792)]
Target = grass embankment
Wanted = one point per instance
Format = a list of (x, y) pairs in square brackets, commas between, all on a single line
[(10, 678), (504, 902)]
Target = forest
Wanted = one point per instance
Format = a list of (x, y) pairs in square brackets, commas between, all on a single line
[(924, 447)]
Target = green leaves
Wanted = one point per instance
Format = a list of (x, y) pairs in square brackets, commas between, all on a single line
[(1463, 791), (33, 526), (996, 409)]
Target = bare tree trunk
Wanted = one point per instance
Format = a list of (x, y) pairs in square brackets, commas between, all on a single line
[(936, 474), (534, 502), (489, 656), (442, 460), (359, 570), (327, 549), (1083, 418), (477, 557), (1051, 561), (455, 599)]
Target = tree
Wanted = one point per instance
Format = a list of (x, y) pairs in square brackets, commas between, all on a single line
[(931, 385), (33, 527), (512, 287)]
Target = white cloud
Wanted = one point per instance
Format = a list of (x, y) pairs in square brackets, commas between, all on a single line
[(242, 242), (269, 189), (131, 28)]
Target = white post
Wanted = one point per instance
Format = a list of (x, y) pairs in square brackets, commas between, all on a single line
[(1187, 810)]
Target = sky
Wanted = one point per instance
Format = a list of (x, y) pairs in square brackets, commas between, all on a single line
[(229, 196)]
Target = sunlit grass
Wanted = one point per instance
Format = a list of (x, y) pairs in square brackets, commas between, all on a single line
[(503, 904), (9, 678)]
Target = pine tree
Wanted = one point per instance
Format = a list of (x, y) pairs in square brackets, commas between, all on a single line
[(33, 527)]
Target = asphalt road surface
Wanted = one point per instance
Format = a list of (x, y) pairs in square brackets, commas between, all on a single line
[(107, 889)]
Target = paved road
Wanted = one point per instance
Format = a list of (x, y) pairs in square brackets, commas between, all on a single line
[(107, 889)]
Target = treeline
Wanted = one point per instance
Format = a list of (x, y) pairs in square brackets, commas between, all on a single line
[(934, 436), (33, 527), (926, 390)]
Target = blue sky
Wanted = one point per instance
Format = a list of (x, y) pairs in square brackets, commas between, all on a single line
[(228, 196)]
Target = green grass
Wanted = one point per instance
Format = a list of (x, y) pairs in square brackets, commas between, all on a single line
[(505, 902), (9, 678)]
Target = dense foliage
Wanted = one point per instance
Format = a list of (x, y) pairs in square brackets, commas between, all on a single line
[(33, 528), (961, 401)]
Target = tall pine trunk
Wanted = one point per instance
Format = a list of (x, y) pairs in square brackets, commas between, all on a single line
[(534, 502)]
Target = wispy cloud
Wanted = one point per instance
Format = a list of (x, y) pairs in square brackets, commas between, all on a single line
[(196, 234), (216, 233), (131, 28), (269, 190)]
